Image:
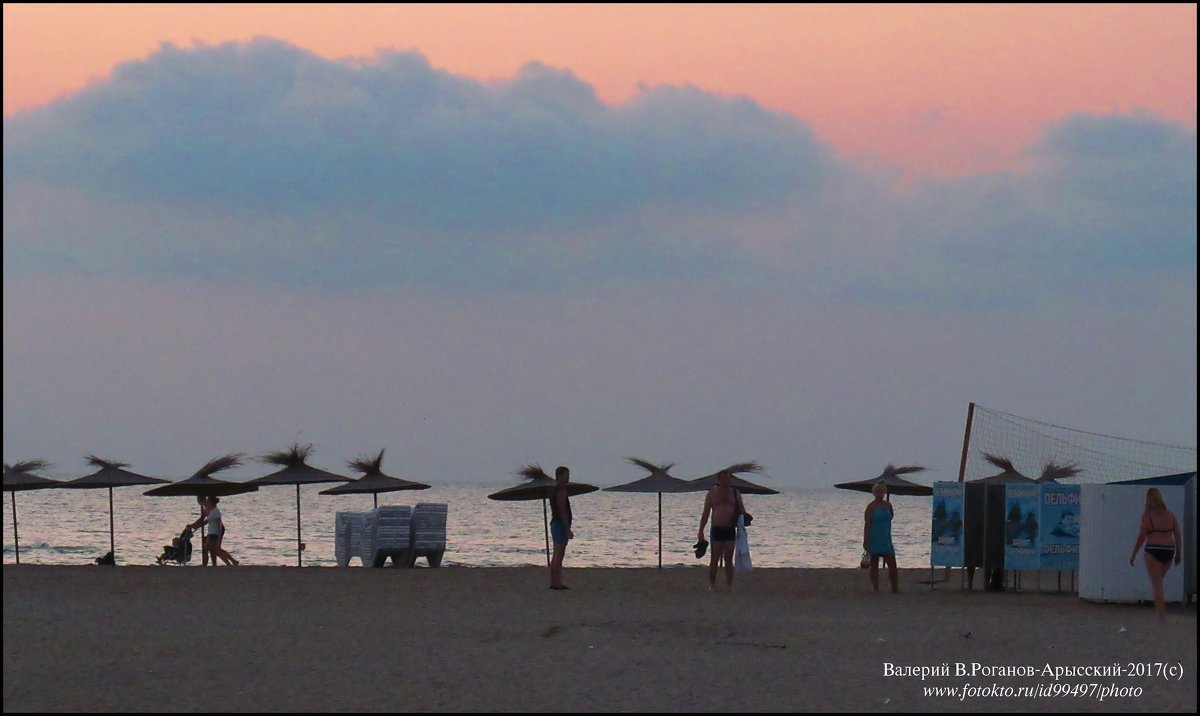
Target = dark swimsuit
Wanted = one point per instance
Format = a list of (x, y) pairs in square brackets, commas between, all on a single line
[(560, 524), (1163, 553)]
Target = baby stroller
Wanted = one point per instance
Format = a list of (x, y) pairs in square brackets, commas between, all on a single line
[(179, 551)]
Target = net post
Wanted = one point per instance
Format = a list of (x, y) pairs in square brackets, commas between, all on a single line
[(962, 464)]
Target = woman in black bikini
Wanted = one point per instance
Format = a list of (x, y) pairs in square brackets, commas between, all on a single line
[(1160, 532)]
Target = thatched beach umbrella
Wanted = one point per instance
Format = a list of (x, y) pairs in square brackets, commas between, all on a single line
[(659, 481), (744, 486), (110, 474), (20, 477), (1007, 475), (203, 484), (373, 480), (1054, 472), (890, 477), (296, 471), (539, 486)]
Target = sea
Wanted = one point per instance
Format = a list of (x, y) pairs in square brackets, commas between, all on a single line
[(799, 528)]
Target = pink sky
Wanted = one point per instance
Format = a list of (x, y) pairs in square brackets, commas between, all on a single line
[(942, 89)]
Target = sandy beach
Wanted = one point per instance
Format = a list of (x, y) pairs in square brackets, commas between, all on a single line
[(280, 639)]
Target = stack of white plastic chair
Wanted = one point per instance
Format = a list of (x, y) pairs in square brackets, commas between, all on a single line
[(429, 532), (362, 536), (342, 527), (392, 535)]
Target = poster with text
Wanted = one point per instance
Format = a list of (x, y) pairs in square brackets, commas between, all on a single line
[(946, 543), (1060, 518)]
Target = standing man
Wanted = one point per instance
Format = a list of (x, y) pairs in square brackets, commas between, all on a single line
[(724, 502), (560, 525)]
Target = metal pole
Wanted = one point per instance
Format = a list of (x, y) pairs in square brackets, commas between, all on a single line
[(546, 526), (112, 544), (16, 539), (660, 530), (299, 554), (376, 496)]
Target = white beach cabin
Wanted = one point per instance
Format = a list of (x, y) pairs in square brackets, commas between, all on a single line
[(1109, 519)]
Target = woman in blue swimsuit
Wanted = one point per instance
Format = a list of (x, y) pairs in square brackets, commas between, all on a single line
[(877, 537)]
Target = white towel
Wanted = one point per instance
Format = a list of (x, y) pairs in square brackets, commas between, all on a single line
[(741, 549)]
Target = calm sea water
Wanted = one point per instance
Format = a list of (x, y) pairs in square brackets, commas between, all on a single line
[(803, 528)]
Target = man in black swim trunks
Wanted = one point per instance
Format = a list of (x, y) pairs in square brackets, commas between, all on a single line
[(724, 503)]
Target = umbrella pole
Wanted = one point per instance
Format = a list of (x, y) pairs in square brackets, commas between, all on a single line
[(16, 539), (112, 543), (660, 530), (376, 496), (546, 525), (299, 555)]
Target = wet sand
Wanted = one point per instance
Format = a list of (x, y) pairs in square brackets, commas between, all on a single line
[(324, 639)]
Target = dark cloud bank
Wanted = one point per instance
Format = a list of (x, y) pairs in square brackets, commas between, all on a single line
[(262, 162)]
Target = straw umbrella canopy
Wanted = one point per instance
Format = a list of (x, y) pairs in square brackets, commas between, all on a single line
[(1007, 475), (373, 480), (1053, 472), (659, 480), (296, 471), (203, 484), (539, 486), (20, 477), (890, 477), (110, 474), (744, 486)]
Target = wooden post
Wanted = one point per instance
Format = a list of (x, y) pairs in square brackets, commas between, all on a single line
[(112, 545), (299, 555), (546, 526), (962, 464), (16, 538)]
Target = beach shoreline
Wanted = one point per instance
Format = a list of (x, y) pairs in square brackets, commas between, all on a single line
[(496, 639)]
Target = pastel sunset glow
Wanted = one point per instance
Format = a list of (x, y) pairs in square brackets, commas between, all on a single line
[(927, 89)]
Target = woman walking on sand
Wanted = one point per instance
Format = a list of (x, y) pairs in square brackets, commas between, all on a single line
[(877, 537), (1159, 530), (216, 532)]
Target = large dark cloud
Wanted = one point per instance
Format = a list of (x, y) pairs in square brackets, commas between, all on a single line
[(266, 126), (264, 162)]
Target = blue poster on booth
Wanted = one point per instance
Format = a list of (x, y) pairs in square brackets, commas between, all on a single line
[(946, 543), (1060, 517), (1021, 518)]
